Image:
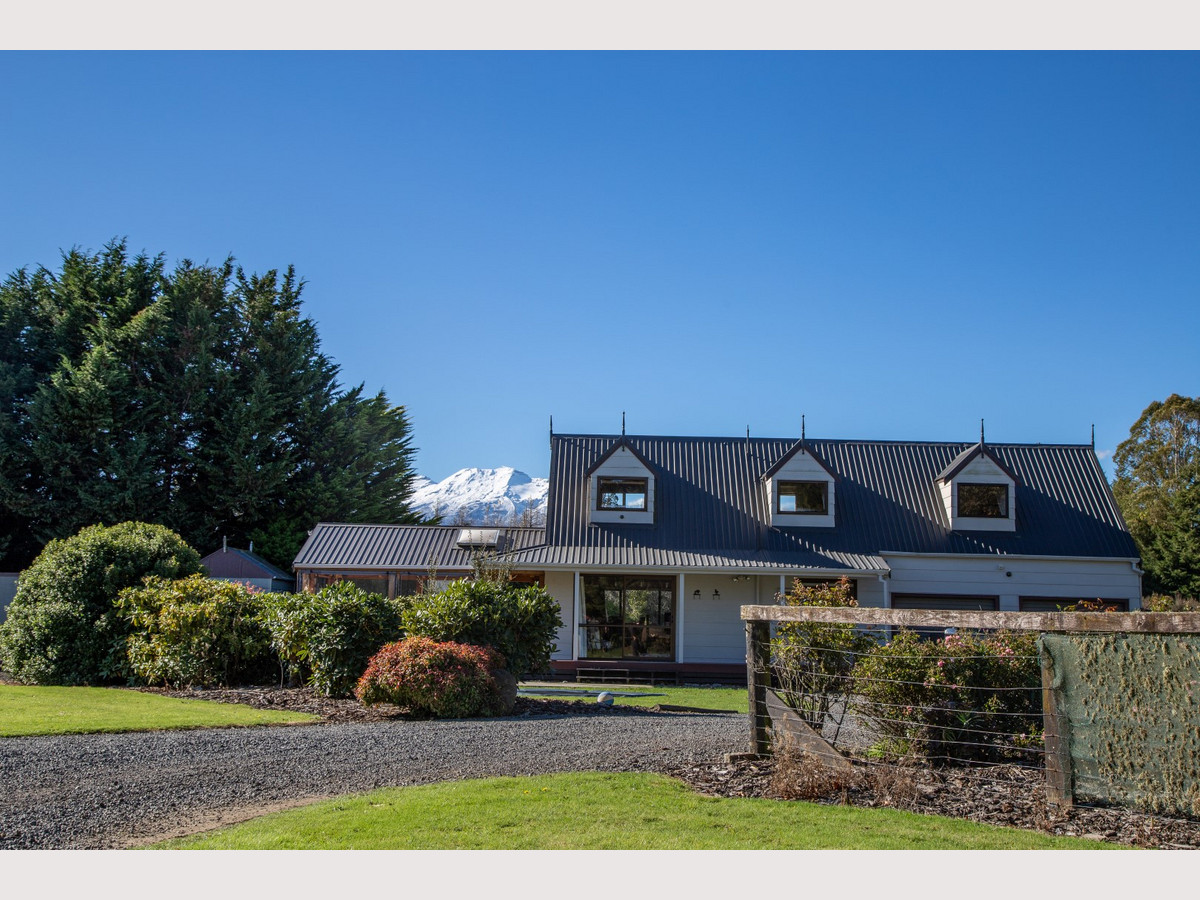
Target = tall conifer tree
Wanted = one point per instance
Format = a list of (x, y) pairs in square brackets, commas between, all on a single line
[(196, 398)]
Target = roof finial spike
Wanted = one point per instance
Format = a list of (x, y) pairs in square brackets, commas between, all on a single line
[(981, 432), (1093, 435), (551, 429), (622, 423), (802, 428)]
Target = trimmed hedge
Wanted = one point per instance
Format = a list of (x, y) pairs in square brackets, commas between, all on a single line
[(445, 680), (62, 625)]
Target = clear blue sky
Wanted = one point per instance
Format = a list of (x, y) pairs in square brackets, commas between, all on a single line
[(895, 245)]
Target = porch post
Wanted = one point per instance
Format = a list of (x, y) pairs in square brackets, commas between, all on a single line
[(679, 617), (578, 623)]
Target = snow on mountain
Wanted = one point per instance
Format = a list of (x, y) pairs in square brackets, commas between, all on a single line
[(500, 496)]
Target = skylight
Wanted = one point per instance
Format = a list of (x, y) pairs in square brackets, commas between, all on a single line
[(479, 537)]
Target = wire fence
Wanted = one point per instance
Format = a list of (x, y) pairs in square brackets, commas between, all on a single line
[(984, 699)]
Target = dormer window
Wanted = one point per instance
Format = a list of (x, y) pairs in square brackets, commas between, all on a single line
[(978, 492), (801, 490), (983, 501), (621, 488), (803, 498), (622, 493)]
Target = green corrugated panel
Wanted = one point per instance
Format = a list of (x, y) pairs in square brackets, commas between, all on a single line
[(1132, 702)]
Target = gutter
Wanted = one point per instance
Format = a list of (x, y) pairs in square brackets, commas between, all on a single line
[(1133, 560)]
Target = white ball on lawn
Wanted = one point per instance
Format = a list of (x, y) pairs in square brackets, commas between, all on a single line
[(605, 699)]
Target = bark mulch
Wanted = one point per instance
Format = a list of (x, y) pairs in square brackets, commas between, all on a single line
[(995, 795), (337, 709)]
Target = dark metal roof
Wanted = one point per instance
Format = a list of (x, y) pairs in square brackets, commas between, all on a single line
[(711, 505), (711, 511), (392, 547), (232, 563)]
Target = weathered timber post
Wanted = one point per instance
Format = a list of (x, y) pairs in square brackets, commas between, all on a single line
[(758, 679), (1060, 791)]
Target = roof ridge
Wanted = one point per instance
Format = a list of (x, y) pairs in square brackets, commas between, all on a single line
[(792, 439)]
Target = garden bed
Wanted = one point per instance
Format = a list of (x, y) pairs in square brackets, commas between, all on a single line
[(335, 709), (996, 795)]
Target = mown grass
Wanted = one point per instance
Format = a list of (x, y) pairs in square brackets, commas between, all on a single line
[(598, 811), (730, 699), (30, 710)]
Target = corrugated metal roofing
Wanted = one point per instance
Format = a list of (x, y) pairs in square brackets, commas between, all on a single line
[(231, 563), (367, 547), (711, 505), (711, 511)]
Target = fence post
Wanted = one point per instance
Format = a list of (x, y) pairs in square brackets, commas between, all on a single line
[(1059, 789), (758, 680)]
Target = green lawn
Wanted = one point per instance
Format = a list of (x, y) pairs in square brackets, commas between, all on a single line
[(733, 699), (595, 811), (28, 710)]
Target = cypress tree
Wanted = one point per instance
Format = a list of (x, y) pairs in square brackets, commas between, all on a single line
[(196, 398)]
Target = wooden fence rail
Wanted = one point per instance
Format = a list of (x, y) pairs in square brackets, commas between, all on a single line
[(1058, 738)]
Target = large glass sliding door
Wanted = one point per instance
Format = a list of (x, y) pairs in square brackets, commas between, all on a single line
[(628, 617)]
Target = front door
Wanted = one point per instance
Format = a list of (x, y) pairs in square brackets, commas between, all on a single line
[(629, 617)]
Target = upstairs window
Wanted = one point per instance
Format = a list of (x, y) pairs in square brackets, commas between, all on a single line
[(621, 493), (982, 501), (806, 498)]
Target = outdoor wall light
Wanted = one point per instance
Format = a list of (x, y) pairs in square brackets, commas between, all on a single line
[(716, 596), (696, 595)]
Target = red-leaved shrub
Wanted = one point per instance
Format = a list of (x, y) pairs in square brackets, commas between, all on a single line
[(430, 678)]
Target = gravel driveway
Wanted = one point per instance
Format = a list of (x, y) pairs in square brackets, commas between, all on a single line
[(104, 791)]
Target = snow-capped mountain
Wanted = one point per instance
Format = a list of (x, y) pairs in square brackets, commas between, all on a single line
[(501, 496)]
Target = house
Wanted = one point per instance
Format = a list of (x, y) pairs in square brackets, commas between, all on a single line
[(652, 544), (8, 590), (247, 567)]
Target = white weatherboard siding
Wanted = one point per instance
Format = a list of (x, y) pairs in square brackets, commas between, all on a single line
[(622, 464), (1031, 577), (768, 589), (561, 586), (871, 592), (715, 631)]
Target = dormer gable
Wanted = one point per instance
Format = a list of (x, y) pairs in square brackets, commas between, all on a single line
[(801, 490), (979, 492), (621, 487)]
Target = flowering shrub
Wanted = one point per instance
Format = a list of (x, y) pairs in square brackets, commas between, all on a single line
[(195, 631), (444, 680), (965, 697), (813, 660), (327, 638), (518, 622)]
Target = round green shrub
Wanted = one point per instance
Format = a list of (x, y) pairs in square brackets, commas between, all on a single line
[(326, 639), (196, 631), (445, 680), (62, 627), (518, 622)]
